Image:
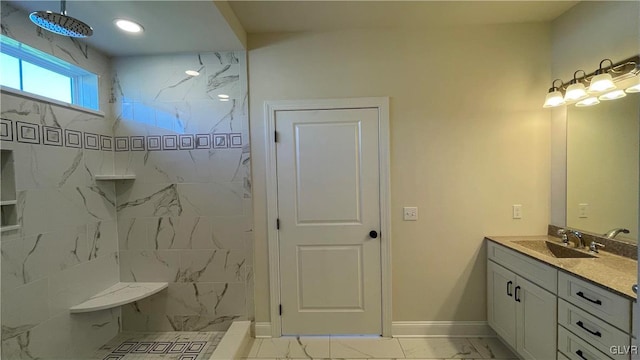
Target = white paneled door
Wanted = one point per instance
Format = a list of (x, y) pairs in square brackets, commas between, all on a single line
[(329, 216)]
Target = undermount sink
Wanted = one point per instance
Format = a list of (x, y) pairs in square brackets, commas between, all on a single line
[(552, 249)]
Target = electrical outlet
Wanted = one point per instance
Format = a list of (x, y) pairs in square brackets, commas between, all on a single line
[(410, 213), (517, 211), (583, 210)]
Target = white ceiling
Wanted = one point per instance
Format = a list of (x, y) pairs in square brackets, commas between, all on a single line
[(170, 26), (173, 26), (291, 16)]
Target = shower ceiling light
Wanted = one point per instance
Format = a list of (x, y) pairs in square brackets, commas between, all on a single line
[(192, 73), (128, 26)]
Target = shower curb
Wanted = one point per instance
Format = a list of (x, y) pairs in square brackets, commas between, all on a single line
[(234, 343)]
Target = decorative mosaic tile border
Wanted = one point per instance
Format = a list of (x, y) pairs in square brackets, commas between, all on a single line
[(29, 133), (182, 350)]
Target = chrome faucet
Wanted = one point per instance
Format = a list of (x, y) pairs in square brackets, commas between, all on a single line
[(613, 232), (563, 236), (578, 236), (593, 247)]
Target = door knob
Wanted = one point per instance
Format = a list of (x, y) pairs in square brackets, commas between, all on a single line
[(373, 234), (635, 288)]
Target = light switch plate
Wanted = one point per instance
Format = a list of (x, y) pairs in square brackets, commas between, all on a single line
[(583, 210), (410, 213), (517, 211)]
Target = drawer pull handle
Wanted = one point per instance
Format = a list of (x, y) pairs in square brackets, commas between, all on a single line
[(596, 333), (509, 288), (579, 353), (517, 297), (581, 294)]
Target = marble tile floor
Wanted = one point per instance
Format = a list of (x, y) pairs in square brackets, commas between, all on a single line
[(346, 348), (160, 346)]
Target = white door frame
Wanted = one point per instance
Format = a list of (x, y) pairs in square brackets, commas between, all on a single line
[(270, 108)]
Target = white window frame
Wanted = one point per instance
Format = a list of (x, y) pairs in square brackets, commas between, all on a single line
[(84, 84)]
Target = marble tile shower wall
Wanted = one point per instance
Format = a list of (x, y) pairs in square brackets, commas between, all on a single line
[(66, 248), (186, 219)]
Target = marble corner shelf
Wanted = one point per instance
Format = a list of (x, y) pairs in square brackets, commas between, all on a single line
[(115, 177), (9, 228), (119, 294)]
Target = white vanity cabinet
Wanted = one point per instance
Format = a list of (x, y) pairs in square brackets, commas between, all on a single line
[(521, 312), (593, 323)]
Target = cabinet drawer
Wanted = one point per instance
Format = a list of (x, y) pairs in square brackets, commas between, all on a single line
[(593, 330), (577, 349), (597, 301), (533, 270), (562, 357)]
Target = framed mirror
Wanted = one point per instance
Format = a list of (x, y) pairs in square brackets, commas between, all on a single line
[(602, 167)]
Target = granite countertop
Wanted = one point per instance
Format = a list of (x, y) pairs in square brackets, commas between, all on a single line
[(613, 272)]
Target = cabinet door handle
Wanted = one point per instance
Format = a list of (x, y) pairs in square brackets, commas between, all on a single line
[(579, 353), (581, 294), (509, 283), (517, 297), (596, 333)]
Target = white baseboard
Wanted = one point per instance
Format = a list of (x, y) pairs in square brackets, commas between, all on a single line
[(262, 330), (441, 329), (416, 329)]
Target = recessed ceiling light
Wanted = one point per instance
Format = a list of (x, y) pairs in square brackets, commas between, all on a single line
[(192, 73), (221, 99), (223, 96), (128, 26)]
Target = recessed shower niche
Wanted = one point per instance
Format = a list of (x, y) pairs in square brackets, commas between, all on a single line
[(8, 200)]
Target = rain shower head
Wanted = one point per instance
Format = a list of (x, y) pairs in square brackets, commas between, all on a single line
[(61, 23)]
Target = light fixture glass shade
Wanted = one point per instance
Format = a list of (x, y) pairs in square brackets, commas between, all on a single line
[(601, 83), (633, 89), (615, 94), (588, 102), (635, 84), (553, 99), (575, 92)]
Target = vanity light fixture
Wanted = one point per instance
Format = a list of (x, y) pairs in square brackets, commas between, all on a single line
[(633, 89), (192, 73), (554, 97), (612, 95), (609, 83), (576, 91), (602, 81), (128, 26), (590, 101), (636, 81)]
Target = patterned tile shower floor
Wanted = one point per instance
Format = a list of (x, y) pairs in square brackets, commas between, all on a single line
[(163, 345)]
